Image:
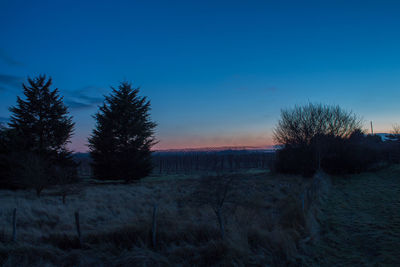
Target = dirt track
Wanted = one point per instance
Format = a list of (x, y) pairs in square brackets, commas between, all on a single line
[(360, 221)]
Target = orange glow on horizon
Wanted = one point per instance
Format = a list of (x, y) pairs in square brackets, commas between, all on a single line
[(256, 140), (184, 142), (214, 142)]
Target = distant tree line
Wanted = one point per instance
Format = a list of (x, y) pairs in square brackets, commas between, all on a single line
[(224, 161), (33, 145)]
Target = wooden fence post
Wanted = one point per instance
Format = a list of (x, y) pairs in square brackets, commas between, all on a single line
[(154, 228), (14, 222), (78, 228)]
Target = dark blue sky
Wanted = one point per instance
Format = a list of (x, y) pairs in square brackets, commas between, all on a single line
[(217, 72)]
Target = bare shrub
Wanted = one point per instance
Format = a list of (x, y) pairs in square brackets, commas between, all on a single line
[(220, 192), (318, 136), (300, 125), (65, 178), (395, 129)]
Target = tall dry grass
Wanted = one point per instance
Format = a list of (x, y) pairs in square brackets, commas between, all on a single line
[(267, 227)]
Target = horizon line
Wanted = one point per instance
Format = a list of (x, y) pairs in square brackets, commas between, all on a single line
[(200, 149), (216, 148)]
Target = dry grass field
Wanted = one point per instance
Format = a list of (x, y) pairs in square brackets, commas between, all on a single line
[(262, 214)]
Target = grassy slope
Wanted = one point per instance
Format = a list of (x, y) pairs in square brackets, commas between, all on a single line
[(361, 221)]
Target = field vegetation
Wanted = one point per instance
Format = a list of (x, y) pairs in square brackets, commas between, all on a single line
[(263, 218)]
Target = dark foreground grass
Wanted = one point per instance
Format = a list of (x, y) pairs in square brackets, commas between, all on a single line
[(266, 227)]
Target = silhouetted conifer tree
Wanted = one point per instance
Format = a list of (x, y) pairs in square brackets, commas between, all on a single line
[(40, 126), (124, 133), (42, 119)]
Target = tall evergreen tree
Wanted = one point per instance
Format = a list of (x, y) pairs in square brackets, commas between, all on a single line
[(42, 120), (124, 133), (40, 127)]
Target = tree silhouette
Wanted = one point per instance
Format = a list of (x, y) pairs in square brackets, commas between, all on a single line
[(395, 129), (42, 119), (124, 133), (303, 124), (41, 127), (313, 136)]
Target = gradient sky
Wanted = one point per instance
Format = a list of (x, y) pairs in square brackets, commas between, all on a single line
[(217, 72)]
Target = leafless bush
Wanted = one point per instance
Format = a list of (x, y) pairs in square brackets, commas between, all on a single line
[(395, 129), (65, 178), (218, 192), (298, 126)]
